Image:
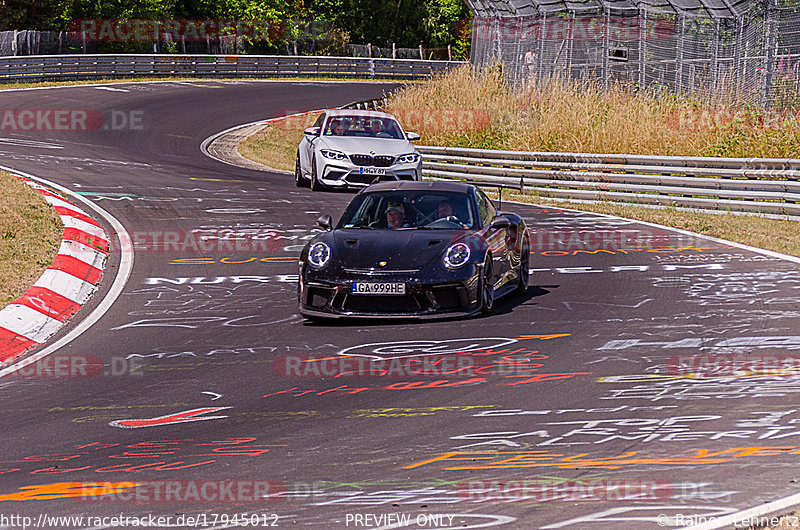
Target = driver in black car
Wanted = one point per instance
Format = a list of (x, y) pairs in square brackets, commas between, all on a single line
[(445, 211), (395, 216)]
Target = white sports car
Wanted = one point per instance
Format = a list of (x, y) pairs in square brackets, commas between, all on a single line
[(353, 148)]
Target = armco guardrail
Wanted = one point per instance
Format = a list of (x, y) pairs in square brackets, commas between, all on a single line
[(756, 185), (80, 67)]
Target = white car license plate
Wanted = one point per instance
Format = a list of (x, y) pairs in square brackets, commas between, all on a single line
[(379, 288), (372, 171)]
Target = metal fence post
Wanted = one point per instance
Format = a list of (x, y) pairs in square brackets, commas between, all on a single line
[(570, 41), (606, 45), (519, 59), (642, 48), (737, 56), (770, 40), (542, 36), (715, 56), (679, 53)]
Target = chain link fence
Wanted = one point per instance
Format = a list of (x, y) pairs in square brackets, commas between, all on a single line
[(748, 52)]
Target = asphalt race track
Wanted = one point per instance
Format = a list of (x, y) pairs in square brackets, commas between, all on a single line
[(615, 394)]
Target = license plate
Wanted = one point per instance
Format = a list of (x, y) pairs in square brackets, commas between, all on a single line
[(379, 288), (372, 171)]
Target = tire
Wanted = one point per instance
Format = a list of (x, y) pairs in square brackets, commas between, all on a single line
[(524, 274), (487, 288), (315, 185), (299, 180)]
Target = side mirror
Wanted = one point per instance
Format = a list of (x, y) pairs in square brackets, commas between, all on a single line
[(412, 136), (500, 223), (311, 131), (325, 222)]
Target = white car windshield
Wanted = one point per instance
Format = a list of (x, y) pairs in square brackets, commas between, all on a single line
[(363, 126)]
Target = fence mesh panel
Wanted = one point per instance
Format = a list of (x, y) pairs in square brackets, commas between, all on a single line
[(743, 51)]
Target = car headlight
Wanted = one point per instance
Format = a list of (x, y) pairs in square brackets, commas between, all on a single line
[(456, 255), (319, 254), (411, 158), (333, 155)]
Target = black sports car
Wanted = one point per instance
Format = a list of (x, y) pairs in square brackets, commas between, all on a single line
[(414, 249)]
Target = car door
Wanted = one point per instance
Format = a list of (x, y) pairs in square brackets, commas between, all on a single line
[(495, 238), (306, 148)]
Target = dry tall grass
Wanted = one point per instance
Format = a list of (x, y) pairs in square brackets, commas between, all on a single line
[(572, 116)]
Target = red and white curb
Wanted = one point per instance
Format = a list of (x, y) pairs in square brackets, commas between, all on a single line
[(64, 287)]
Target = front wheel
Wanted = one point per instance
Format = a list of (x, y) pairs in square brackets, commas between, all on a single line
[(487, 288), (299, 181), (315, 184), (524, 273)]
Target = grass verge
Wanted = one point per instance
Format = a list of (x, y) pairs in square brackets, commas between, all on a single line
[(565, 115), (30, 234), (276, 144)]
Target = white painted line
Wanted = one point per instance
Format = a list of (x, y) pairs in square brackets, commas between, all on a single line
[(74, 222), (740, 518), (79, 251), (29, 143), (208, 141), (28, 322), (109, 88), (67, 285), (764, 252), (123, 273)]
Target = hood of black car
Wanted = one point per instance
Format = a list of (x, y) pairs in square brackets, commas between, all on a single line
[(402, 249)]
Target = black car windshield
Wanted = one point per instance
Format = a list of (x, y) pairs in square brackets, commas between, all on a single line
[(423, 209), (363, 126)]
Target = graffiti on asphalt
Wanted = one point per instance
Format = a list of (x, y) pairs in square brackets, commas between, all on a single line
[(190, 453), (496, 460), (175, 418)]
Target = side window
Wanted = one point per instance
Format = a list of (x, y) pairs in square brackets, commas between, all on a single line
[(486, 209), (319, 121)]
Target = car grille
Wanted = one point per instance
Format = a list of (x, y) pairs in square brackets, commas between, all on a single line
[(377, 161), (383, 304), (355, 178)]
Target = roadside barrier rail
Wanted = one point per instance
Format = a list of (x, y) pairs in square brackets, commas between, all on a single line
[(31, 68), (754, 185)]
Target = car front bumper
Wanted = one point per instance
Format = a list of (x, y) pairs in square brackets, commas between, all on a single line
[(333, 298), (342, 173)]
